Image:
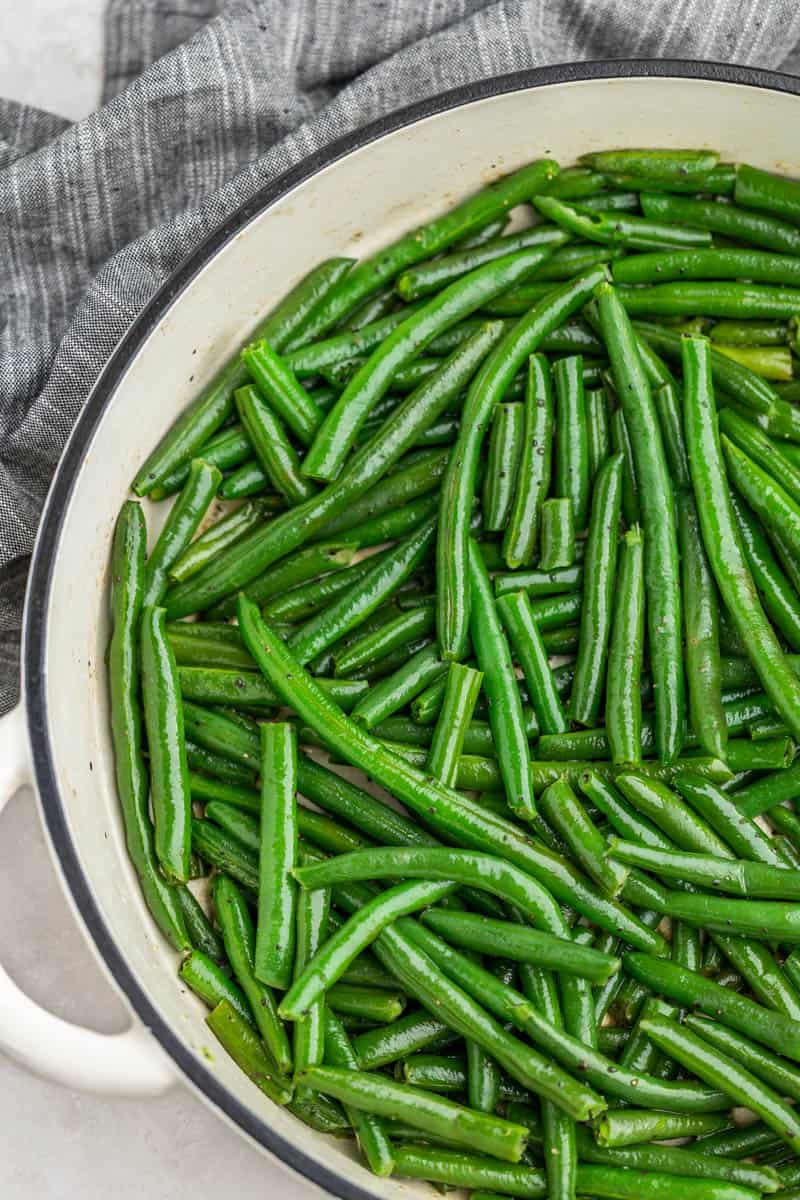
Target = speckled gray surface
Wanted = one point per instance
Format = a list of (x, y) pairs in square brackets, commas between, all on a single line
[(58, 1144)]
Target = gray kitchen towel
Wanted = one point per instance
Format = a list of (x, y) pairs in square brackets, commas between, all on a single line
[(204, 102)]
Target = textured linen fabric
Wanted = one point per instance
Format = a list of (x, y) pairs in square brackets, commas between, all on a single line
[(204, 102)]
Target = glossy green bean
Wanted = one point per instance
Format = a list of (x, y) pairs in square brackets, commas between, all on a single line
[(598, 430), (623, 702), (394, 633), (599, 580), (517, 616), (700, 614), (768, 192), (571, 462), (721, 1070), (621, 444), (276, 455), (369, 1129), (369, 1005), (738, 877), (398, 689), (691, 989), (277, 892), (243, 1045), (770, 501), (285, 396), (761, 450), (727, 219), (565, 813), (460, 299), (239, 938), (425, 1110), (212, 985), (724, 815), (721, 540), (460, 697), (164, 724), (458, 486), (342, 947), (770, 1068), (505, 448), (661, 563), (632, 232), (505, 939), (500, 685), (411, 1033), (557, 535), (728, 263), (127, 585), (430, 277), (425, 241), (630, 1126), (186, 514), (223, 533)]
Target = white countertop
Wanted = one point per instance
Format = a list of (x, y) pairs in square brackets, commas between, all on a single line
[(58, 1144)]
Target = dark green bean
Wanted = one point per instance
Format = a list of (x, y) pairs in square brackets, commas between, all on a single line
[(278, 458), (369, 1129), (217, 537), (632, 232), (771, 193), (564, 812), (533, 476), (461, 695), (212, 985), (181, 525), (396, 632), (770, 1068), (727, 219), (431, 276), (516, 614), (598, 431), (571, 467), (413, 1032), (701, 607), (398, 689), (285, 396), (557, 534), (621, 444)]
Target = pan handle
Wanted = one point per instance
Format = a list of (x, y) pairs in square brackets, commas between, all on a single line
[(122, 1064)]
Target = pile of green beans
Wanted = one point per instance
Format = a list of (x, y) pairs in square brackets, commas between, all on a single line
[(456, 523)]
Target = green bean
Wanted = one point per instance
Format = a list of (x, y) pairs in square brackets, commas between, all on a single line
[(370, 1005), (507, 940), (379, 583), (201, 933), (757, 265), (222, 769), (505, 447), (258, 550), (227, 853), (725, 816), (371, 381), (564, 812), (344, 346), (239, 938), (245, 689), (621, 444), (533, 476), (127, 574), (722, 299), (164, 724), (630, 1126), (691, 989), (461, 695), (749, 918), (502, 692), (284, 394), (389, 636), (769, 791), (427, 240), (772, 193), (312, 912), (750, 1140), (677, 166), (632, 232), (343, 946), (516, 614), (413, 1032), (571, 468), (226, 449), (598, 433), (457, 493), (764, 494), (276, 455), (721, 540), (727, 219), (758, 447), (657, 503), (243, 1045), (557, 534), (250, 479), (399, 688), (749, 333), (768, 1067), (668, 812), (623, 704), (599, 571), (686, 1161), (212, 985), (670, 418), (769, 362), (446, 812), (721, 1070), (217, 537), (739, 878), (307, 565), (369, 1129), (439, 1073), (431, 276), (277, 892), (383, 1097), (186, 514), (702, 634)]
